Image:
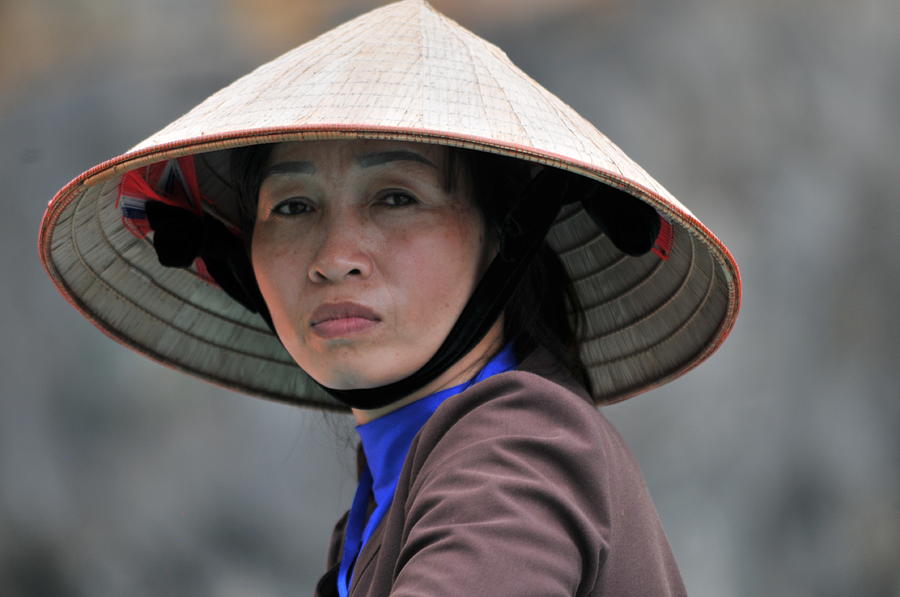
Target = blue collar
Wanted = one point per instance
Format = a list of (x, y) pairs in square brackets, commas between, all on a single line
[(386, 442)]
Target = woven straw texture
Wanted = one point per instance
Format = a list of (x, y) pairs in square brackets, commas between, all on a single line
[(402, 72)]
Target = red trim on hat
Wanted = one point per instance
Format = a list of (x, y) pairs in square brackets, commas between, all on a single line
[(663, 245)]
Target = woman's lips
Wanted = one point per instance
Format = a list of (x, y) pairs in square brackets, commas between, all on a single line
[(333, 320)]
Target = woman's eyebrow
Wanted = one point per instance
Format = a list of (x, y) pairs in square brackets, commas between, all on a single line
[(382, 157)]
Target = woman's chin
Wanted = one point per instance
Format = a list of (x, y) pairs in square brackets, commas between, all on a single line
[(355, 366), (354, 379)]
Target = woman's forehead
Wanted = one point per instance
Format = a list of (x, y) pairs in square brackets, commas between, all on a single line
[(362, 151)]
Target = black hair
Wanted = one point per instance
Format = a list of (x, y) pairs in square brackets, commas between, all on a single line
[(543, 311)]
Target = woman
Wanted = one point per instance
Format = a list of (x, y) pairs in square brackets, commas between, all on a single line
[(394, 219)]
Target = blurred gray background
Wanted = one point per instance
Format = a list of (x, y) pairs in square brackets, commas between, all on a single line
[(775, 465)]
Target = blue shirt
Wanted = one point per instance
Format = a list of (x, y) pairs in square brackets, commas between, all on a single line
[(386, 442)]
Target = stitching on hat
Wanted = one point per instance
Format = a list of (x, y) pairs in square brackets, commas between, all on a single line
[(606, 300), (115, 291), (681, 327), (681, 286)]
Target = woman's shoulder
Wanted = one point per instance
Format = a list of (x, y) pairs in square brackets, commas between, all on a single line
[(537, 405), (540, 396), (524, 458)]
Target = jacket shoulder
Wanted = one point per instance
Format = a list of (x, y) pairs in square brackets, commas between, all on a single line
[(522, 468), (525, 405)]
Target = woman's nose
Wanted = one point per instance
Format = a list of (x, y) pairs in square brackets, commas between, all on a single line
[(341, 253)]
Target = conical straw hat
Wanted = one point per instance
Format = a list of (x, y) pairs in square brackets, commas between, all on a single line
[(402, 72)]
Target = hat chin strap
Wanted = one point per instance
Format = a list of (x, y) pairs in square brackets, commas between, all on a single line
[(521, 235)]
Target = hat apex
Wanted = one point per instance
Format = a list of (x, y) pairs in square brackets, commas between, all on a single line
[(405, 68)]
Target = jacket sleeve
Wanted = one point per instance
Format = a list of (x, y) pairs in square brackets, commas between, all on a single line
[(509, 497)]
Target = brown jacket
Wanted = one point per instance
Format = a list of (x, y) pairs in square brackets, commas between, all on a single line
[(516, 487)]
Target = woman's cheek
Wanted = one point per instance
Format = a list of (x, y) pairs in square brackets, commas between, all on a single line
[(276, 275)]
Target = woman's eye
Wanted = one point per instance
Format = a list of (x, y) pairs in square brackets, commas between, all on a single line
[(397, 199), (291, 207)]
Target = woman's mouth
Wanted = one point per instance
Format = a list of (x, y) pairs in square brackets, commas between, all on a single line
[(333, 320)]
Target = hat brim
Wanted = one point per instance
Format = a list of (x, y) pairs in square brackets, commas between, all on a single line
[(649, 320)]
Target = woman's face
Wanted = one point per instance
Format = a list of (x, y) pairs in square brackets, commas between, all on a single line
[(365, 260)]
